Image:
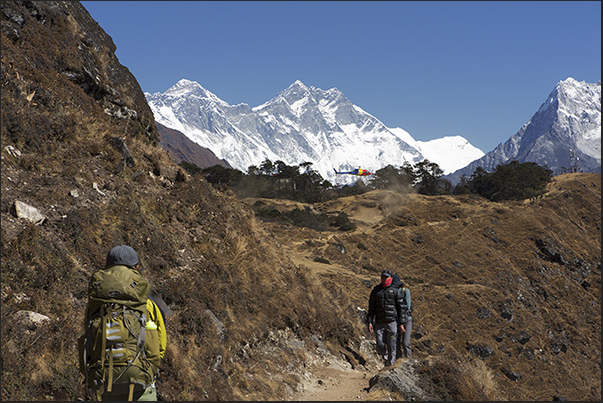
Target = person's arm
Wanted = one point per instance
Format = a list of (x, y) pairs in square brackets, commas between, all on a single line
[(371, 311), (407, 300), (155, 316), (400, 308)]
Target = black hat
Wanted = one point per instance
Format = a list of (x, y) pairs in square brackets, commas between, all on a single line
[(386, 273), (396, 282), (122, 254)]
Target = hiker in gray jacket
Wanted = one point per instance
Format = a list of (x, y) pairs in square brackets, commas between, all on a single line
[(405, 323), (385, 308)]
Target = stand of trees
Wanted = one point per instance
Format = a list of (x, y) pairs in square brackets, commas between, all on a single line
[(511, 181), (424, 177), (269, 180)]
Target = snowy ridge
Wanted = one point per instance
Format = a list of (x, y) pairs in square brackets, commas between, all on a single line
[(452, 152), (308, 124), (300, 124), (567, 124)]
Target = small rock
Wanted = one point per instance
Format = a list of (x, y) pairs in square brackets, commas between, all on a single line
[(483, 313), (22, 210), (482, 351), (512, 375), (522, 337), (30, 320), (558, 347)]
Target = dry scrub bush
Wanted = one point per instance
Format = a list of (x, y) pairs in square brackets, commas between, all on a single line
[(478, 381), (455, 377), (192, 363)]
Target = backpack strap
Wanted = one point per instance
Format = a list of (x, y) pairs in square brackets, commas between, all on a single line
[(104, 340), (141, 341), (142, 337), (131, 392), (85, 354), (110, 381)]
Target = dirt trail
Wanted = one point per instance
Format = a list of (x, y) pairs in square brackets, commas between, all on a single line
[(329, 384)]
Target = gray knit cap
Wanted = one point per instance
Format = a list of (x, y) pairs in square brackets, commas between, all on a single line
[(122, 254)]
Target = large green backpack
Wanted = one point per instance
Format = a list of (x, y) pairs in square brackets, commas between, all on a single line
[(113, 357)]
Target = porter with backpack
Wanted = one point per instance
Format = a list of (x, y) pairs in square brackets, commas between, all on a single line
[(124, 338)]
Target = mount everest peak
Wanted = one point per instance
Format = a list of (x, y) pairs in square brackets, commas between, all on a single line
[(301, 124)]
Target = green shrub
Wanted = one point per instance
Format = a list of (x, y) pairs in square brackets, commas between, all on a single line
[(342, 221), (511, 181)]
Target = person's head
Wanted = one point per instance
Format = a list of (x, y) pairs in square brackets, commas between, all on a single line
[(396, 281), (386, 277), (122, 255)]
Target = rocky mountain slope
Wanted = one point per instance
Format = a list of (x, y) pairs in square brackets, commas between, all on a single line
[(181, 148), (507, 295), (564, 134)]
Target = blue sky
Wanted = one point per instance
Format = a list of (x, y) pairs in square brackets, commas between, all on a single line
[(479, 69)]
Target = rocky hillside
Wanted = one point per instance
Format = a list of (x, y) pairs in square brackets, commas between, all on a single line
[(80, 153), (507, 295), (181, 148)]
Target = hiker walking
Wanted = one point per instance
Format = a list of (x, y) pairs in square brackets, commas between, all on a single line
[(385, 308), (124, 337), (405, 321)]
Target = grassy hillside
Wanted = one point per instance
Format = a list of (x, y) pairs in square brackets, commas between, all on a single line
[(512, 285), (515, 284)]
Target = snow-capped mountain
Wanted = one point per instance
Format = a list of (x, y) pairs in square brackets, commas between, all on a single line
[(301, 124), (449, 152), (564, 134)]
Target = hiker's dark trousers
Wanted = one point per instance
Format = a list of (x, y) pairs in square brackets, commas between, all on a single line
[(386, 336), (404, 340)]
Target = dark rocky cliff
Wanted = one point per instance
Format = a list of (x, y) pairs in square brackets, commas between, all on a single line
[(56, 42)]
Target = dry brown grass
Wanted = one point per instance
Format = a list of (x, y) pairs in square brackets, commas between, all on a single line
[(479, 381), (457, 377), (203, 250), (475, 254)]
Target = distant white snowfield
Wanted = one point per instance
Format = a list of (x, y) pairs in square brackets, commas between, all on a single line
[(450, 152), (301, 124)]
